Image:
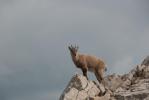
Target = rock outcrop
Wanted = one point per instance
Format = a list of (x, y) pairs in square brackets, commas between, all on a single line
[(79, 88), (131, 86)]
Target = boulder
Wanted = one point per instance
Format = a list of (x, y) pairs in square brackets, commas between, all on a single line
[(112, 82), (79, 88)]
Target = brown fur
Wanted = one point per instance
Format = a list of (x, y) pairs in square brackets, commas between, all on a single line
[(88, 63)]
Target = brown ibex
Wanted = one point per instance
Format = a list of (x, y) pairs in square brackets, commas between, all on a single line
[(88, 63)]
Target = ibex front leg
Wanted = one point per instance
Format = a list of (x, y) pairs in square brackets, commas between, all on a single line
[(84, 70)]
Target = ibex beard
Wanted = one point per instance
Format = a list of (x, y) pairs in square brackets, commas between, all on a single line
[(88, 63)]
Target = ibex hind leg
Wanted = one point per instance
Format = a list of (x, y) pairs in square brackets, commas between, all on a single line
[(101, 75), (97, 74)]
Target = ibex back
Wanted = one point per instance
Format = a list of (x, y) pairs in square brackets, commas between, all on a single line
[(88, 63)]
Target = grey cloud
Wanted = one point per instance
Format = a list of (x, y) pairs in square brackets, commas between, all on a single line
[(34, 36)]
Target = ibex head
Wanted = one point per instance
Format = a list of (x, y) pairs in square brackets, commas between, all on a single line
[(73, 50)]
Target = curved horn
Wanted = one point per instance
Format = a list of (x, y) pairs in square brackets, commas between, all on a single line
[(77, 47), (71, 46)]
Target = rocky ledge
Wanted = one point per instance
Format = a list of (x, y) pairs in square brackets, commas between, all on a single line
[(131, 86)]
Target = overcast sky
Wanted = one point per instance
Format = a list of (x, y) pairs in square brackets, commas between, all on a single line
[(35, 63)]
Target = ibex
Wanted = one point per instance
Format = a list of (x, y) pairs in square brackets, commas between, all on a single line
[(88, 63)]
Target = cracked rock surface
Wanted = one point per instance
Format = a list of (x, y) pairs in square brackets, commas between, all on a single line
[(79, 88)]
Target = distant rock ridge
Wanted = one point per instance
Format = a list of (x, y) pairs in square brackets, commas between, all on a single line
[(131, 86)]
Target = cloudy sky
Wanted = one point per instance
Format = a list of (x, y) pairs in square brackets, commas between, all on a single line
[(35, 63)]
